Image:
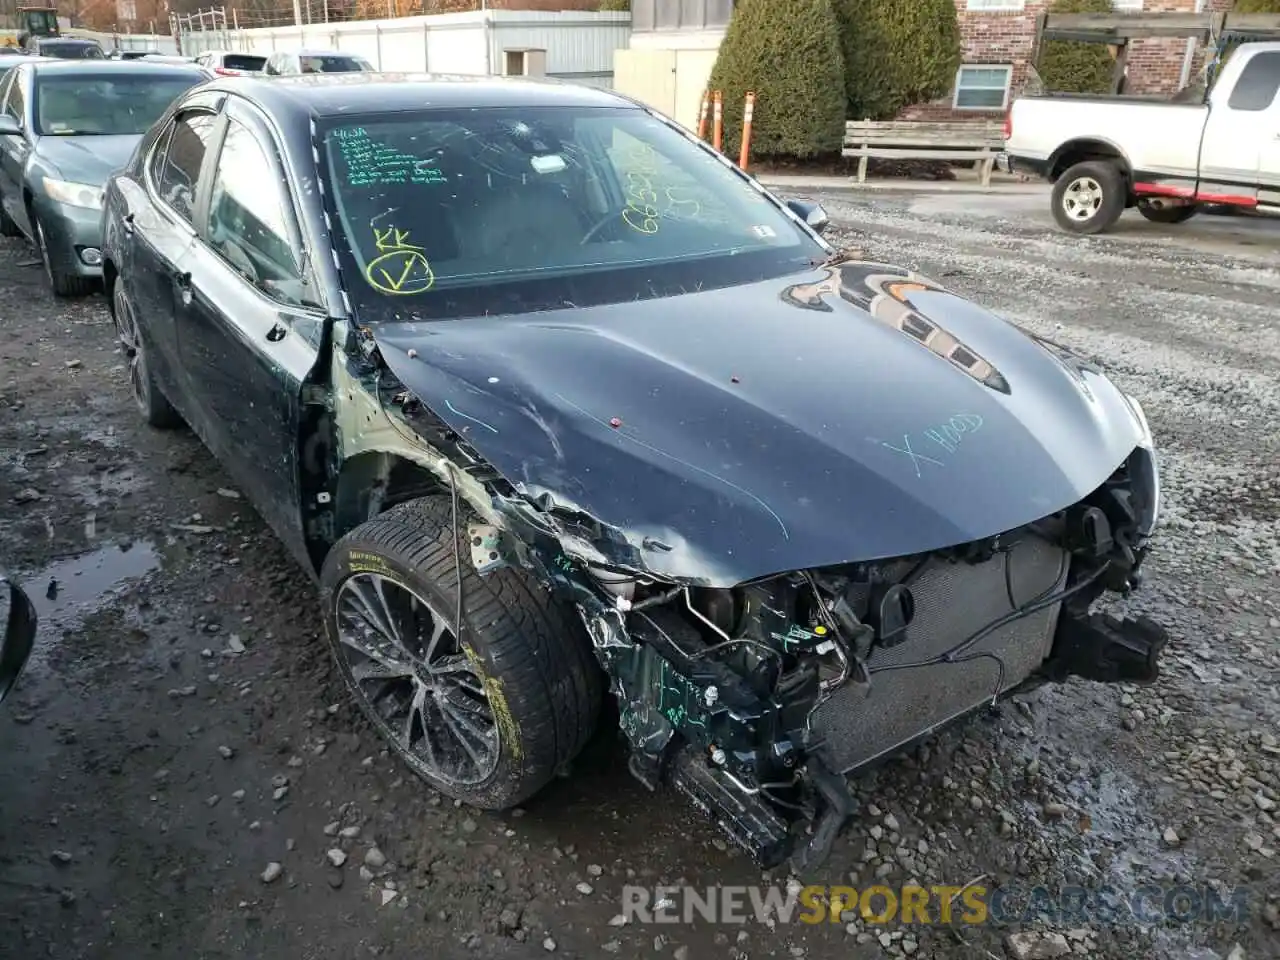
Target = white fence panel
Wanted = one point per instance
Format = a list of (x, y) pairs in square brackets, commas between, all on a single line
[(151, 42), (458, 48), (579, 44), (403, 49)]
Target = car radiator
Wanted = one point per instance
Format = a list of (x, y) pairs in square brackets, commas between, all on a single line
[(862, 722)]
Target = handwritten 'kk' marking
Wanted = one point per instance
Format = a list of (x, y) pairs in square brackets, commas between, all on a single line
[(401, 267), (916, 458)]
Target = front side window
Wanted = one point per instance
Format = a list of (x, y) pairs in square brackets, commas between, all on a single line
[(78, 104), (183, 157), (983, 87), (248, 226), (455, 213), (15, 104)]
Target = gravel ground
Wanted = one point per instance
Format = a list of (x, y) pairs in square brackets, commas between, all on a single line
[(185, 777)]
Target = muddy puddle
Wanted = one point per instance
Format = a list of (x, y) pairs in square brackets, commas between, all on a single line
[(68, 590)]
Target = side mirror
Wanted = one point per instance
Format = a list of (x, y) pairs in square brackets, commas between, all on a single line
[(19, 636), (9, 126), (811, 212)]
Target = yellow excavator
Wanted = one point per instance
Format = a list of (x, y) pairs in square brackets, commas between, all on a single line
[(32, 22)]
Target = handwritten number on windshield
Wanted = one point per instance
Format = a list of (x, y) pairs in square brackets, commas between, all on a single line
[(642, 213), (401, 268)]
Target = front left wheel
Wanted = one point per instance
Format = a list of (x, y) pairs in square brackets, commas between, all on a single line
[(7, 227), (487, 717), (63, 284)]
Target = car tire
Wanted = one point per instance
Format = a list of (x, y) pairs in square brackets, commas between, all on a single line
[(8, 228), (63, 284), (1171, 214), (154, 406), (1089, 197), (525, 672)]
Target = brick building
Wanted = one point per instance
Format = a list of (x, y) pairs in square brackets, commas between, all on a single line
[(998, 38)]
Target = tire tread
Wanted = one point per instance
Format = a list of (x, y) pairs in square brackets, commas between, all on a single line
[(540, 652)]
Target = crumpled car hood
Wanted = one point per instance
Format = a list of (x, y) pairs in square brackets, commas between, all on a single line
[(859, 414)]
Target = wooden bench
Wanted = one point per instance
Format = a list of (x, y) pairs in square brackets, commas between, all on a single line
[(976, 140)]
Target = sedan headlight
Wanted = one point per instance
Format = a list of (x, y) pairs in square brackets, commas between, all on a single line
[(1144, 472), (74, 194)]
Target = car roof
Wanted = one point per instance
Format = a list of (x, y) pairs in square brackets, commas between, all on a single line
[(318, 52), (143, 67), (323, 95), (83, 40)]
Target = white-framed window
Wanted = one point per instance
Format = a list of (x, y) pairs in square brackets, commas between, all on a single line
[(1127, 6), (982, 86), (996, 6)]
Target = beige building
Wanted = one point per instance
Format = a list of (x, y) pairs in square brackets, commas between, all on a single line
[(672, 50)]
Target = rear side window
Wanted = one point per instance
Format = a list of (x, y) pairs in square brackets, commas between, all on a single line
[(1256, 89), (179, 172), (243, 61)]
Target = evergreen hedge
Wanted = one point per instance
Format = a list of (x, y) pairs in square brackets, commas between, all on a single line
[(1067, 66), (897, 53), (788, 52)]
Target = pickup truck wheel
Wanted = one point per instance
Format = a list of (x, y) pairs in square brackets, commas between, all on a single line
[(1089, 197), (1167, 214), (489, 718)]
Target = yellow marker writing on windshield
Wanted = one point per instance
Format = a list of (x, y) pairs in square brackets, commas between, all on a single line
[(642, 213), (401, 268)]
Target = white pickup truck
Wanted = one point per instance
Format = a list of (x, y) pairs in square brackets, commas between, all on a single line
[(1167, 158)]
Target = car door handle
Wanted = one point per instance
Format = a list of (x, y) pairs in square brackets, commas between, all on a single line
[(182, 281), (277, 332)]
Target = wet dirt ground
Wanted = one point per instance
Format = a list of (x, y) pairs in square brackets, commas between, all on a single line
[(180, 731)]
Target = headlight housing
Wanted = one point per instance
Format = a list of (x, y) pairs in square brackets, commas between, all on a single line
[(1144, 472), (72, 194)]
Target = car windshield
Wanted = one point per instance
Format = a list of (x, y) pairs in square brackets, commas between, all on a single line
[(335, 64), (458, 213), (79, 104), (72, 51)]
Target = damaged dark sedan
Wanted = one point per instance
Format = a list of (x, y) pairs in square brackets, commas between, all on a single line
[(554, 400)]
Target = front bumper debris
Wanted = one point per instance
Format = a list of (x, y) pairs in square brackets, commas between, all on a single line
[(1106, 649)]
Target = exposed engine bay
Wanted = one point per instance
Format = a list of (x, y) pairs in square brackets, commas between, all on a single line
[(755, 701)]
